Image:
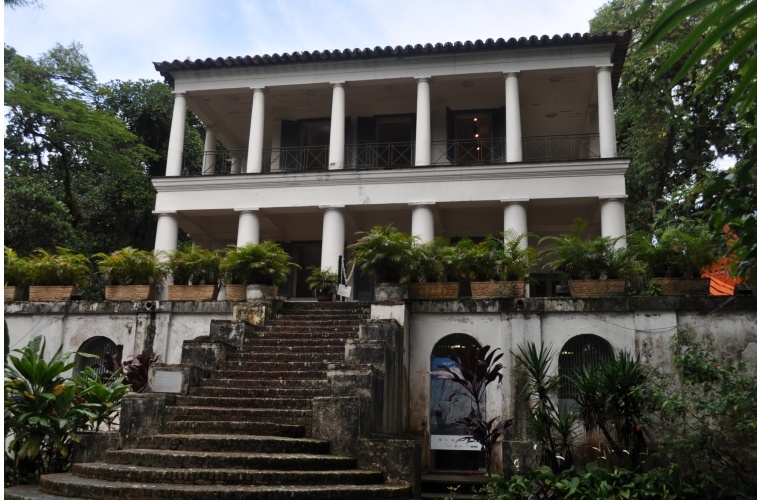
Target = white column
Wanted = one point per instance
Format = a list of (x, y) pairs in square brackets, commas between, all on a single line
[(423, 221), (248, 226), (612, 218), (166, 232), (423, 122), (606, 124), (176, 137), (333, 237), (210, 150), (256, 132), (515, 217), (338, 118), (513, 148)]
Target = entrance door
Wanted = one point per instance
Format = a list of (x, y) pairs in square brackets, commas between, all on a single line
[(305, 254), (448, 402)]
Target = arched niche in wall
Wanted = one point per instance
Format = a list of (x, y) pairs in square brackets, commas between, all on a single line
[(448, 402), (581, 351), (101, 347)]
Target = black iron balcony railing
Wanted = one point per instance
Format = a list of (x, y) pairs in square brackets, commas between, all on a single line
[(396, 154)]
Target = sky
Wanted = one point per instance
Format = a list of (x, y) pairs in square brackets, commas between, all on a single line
[(122, 38)]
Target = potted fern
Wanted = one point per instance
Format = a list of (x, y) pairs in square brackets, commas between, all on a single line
[(593, 268), (675, 254), (54, 277), (322, 282), (254, 271), (434, 271), (15, 275), (500, 266), (195, 273), (387, 255), (131, 274)]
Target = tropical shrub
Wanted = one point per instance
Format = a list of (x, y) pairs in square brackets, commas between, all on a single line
[(192, 265), (130, 266), (322, 281), (62, 268), (263, 263), (41, 413), (384, 253), (103, 396), (435, 261), (15, 269)]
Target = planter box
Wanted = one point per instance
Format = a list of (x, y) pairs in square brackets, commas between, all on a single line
[(240, 293), (236, 293), (129, 293), (586, 289), (390, 292), (193, 292), (682, 286), (50, 293), (497, 289), (14, 293), (433, 291)]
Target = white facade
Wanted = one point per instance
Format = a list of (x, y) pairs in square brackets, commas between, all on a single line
[(447, 140)]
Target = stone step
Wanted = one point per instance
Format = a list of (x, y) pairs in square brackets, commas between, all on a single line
[(283, 416), (289, 342), (69, 485), (233, 373), (275, 366), (248, 442), (233, 427), (244, 402), (317, 322), (195, 475), (322, 346), (222, 383), (305, 331), (292, 392), (229, 460), (327, 355)]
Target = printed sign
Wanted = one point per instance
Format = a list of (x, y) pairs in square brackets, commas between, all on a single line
[(344, 291)]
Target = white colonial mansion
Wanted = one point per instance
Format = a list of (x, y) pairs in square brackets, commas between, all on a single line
[(453, 140)]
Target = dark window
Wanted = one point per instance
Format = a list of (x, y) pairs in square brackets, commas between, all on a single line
[(582, 351), (101, 347)]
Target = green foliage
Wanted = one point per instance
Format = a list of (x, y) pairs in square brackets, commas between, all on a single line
[(435, 261), (62, 268), (16, 269), (130, 266), (263, 263), (385, 253), (578, 258), (594, 483), (550, 426), (322, 281), (103, 397), (707, 417), (680, 248), (499, 258), (41, 412), (193, 265)]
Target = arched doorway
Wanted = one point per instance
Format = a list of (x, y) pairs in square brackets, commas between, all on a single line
[(447, 403), (101, 347), (581, 351)]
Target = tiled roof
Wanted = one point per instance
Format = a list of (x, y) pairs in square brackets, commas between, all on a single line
[(620, 39)]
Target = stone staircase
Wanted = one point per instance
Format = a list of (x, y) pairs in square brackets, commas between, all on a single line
[(244, 432)]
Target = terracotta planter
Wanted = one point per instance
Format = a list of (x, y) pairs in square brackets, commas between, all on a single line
[(129, 293), (324, 297), (193, 292), (433, 291), (586, 289), (497, 289), (390, 292), (682, 286), (50, 293), (14, 293), (236, 293)]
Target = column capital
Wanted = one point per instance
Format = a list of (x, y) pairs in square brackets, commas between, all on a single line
[(257, 89), (331, 207), (178, 93), (338, 84), (422, 78), (514, 201), (507, 74), (422, 203), (165, 213), (246, 209), (612, 197), (604, 67), (210, 126)]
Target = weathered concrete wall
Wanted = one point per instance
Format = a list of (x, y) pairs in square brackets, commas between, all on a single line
[(160, 327), (638, 324)]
